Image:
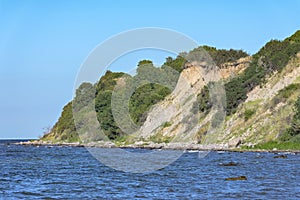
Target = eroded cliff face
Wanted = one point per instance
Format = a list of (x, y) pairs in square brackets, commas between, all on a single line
[(172, 117), (231, 69), (267, 111), (262, 117), (175, 119)]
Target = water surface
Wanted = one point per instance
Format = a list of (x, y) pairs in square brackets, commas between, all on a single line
[(29, 172)]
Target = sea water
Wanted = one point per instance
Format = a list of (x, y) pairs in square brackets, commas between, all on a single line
[(45, 172)]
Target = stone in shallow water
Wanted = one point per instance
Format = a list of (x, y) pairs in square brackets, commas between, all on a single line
[(281, 156), (239, 178), (229, 164)]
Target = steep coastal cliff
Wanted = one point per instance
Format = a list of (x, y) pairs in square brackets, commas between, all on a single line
[(239, 100)]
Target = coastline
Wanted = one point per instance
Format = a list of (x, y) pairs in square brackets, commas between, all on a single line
[(151, 145)]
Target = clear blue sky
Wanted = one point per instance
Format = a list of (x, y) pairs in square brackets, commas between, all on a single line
[(43, 43)]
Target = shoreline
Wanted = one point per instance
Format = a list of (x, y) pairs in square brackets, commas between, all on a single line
[(151, 145)]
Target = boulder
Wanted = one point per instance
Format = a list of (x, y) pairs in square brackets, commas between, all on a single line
[(234, 143), (230, 164), (281, 156), (239, 178)]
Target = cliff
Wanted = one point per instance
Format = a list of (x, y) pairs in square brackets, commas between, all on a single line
[(239, 100)]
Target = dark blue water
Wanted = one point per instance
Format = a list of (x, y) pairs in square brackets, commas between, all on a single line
[(29, 172)]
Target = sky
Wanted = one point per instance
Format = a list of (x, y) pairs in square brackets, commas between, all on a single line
[(44, 43)]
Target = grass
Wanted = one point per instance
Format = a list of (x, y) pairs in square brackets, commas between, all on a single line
[(123, 140), (288, 91), (253, 104), (297, 80), (271, 145), (250, 108), (248, 114), (160, 138), (166, 124)]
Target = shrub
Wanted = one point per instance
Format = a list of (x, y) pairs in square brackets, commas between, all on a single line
[(167, 124), (248, 114), (272, 57)]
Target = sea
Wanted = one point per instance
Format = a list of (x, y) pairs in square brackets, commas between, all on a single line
[(57, 172)]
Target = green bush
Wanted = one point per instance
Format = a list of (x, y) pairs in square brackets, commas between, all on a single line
[(220, 56), (248, 114), (66, 121), (295, 125), (142, 100), (203, 103), (159, 138), (166, 124), (288, 91), (272, 57)]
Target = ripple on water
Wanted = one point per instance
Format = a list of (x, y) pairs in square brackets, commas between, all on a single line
[(72, 173)]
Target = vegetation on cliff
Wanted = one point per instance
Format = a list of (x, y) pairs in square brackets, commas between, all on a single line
[(270, 59), (273, 57)]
